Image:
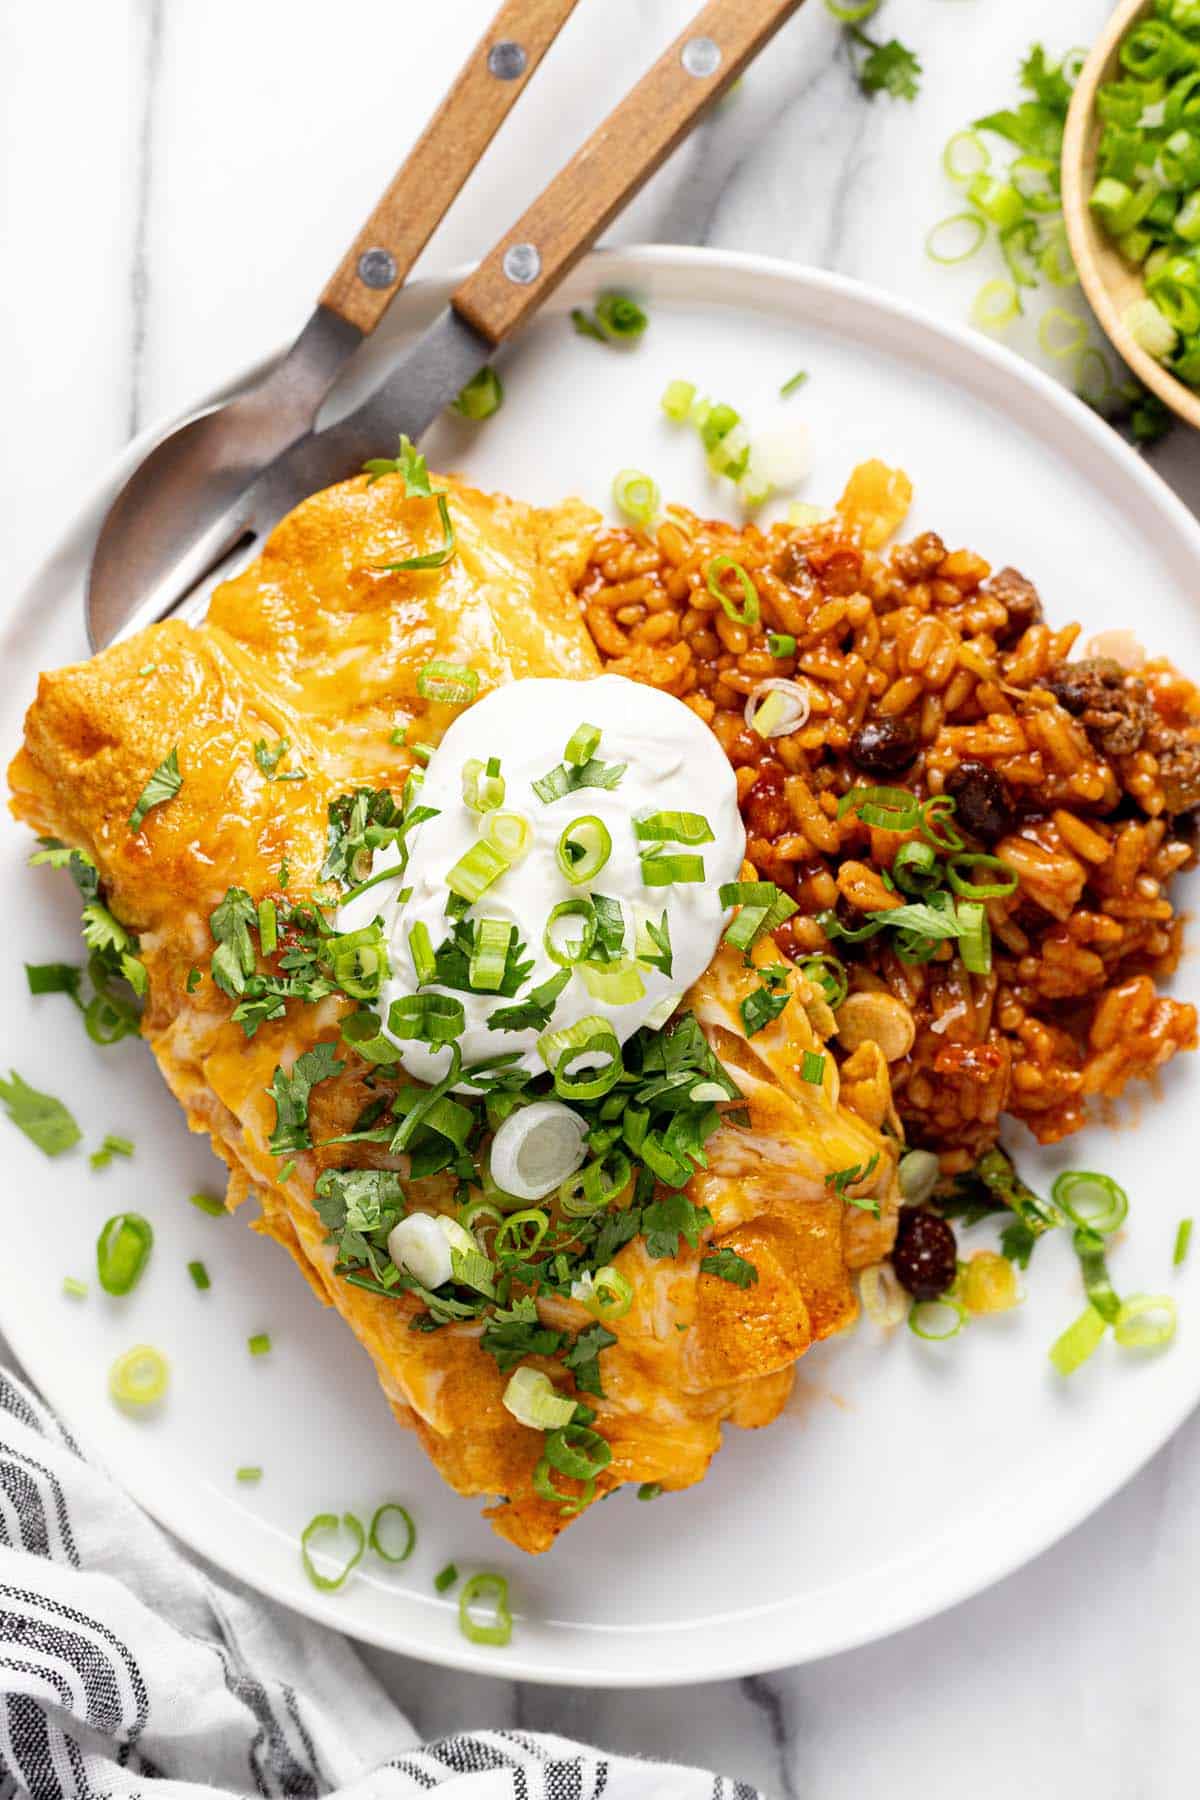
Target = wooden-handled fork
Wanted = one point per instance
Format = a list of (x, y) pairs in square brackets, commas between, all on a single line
[(494, 301), (193, 473)]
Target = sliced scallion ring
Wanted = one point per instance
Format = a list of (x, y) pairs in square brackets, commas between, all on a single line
[(533, 1400), (448, 683), (677, 400), (1061, 333), (915, 868), (936, 1320), (636, 495), (614, 983), (1070, 1351), (605, 1293), (577, 1451), (568, 952), (509, 834), (482, 784), (420, 948), (959, 866), (595, 1188), (1092, 1201), (139, 1377), (889, 808), (489, 955), (955, 238), (122, 1252), (482, 396), (776, 707), (545, 1487), (428, 1018), (996, 305), (714, 571), (583, 848), (935, 816), (537, 1148), (828, 974), (582, 745), (665, 871), (1146, 1322), (965, 156), (477, 868), (376, 1527), (328, 1523), (974, 937), (521, 1233), (672, 828), (591, 1036), (486, 1587)]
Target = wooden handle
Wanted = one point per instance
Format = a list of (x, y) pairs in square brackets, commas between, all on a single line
[(444, 155), (635, 139)]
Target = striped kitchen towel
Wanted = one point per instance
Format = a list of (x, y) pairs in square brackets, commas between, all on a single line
[(126, 1670)]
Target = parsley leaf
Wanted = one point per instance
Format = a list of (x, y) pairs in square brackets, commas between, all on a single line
[(269, 761), (43, 1119), (163, 785), (766, 1002), (729, 1266), (890, 68), (1046, 79), (665, 1221), (1035, 129), (291, 1096), (82, 869), (514, 1332), (583, 1358), (534, 1012)]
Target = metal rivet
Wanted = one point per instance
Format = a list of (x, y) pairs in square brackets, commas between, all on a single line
[(522, 264), (377, 268), (700, 56), (506, 60)]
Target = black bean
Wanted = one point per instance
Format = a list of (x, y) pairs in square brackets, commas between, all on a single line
[(984, 807), (882, 746), (925, 1254)]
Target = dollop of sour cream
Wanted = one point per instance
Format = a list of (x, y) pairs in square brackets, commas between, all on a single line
[(672, 763)]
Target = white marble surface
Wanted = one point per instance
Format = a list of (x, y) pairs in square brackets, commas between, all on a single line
[(176, 179)]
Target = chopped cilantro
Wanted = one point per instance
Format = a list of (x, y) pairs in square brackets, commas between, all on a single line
[(583, 1358), (568, 778), (766, 1002), (112, 1146), (659, 956), (43, 1119), (729, 1266), (841, 1180), (515, 1332), (291, 1096), (534, 1012), (162, 786), (665, 1221), (269, 760), (890, 68)]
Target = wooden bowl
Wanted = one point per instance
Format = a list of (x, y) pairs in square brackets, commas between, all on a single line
[(1108, 280)]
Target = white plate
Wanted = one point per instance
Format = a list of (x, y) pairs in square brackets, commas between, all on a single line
[(904, 1476)]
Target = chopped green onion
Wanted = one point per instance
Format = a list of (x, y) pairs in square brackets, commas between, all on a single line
[(583, 848), (649, 1490), (259, 1344), (200, 1276), (375, 1530), (889, 808), (827, 973), (605, 1293), (420, 948), (77, 1290), (139, 1377), (677, 400), (915, 868), (764, 908), (998, 200), (918, 1172), (665, 871), (974, 937), (589, 1036), (582, 745), (616, 319), (781, 643), (570, 951), (672, 827), (636, 495), (1150, 330), (489, 956), (812, 1068), (936, 1320), (208, 1203), (482, 784), (793, 383), (546, 1489), (249, 1472), (485, 1587), (533, 1400), (521, 1233), (112, 1146), (428, 1018), (509, 834), (1183, 1239), (328, 1522), (995, 305), (714, 571), (567, 778), (445, 1578), (448, 683), (954, 239), (1061, 333), (1070, 1351), (594, 1188), (429, 559), (481, 397), (852, 12), (1094, 1202), (974, 859), (535, 1148), (965, 156), (1146, 1322), (122, 1252), (268, 927), (577, 1451), (1093, 1266), (614, 983), (935, 815), (477, 868)]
